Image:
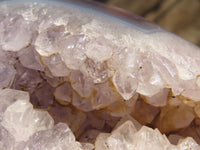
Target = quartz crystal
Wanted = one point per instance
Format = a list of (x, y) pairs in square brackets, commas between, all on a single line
[(20, 118), (73, 77)]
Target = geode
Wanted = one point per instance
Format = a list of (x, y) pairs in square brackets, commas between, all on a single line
[(77, 76)]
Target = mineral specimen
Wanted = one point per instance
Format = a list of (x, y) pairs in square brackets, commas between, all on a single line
[(73, 77)]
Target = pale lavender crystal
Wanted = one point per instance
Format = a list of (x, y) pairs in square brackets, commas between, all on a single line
[(7, 74), (30, 58), (44, 94), (26, 79), (93, 72)]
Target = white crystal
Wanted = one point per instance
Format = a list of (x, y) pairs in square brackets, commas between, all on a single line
[(125, 82), (8, 97), (126, 118), (122, 137), (46, 42), (20, 119), (188, 144), (101, 142), (72, 51), (60, 137), (12, 30), (81, 84), (99, 49), (147, 138)]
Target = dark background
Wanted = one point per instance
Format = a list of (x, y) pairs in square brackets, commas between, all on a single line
[(179, 16)]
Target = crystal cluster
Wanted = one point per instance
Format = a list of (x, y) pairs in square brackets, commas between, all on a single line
[(69, 81)]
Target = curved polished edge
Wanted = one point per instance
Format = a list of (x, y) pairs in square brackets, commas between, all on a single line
[(120, 15)]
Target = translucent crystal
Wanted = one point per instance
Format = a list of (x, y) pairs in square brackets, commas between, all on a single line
[(101, 141), (63, 93), (30, 58), (99, 49), (125, 82), (7, 57), (79, 71), (46, 42), (95, 70), (72, 51), (192, 94), (12, 30), (159, 99), (81, 103), (56, 65), (104, 95), (20, 119), (122, 137), (147, 138), (8, 97), (60, 137), (81, 84), (187, 144), (7, 141), (126, 118), (26, 79), (7, 74), (44, 94)]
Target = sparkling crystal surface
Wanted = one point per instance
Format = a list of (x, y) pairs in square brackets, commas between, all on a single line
[(74, 78)]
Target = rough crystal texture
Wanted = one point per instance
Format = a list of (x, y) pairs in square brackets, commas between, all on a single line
[(126, 137), (86, 70), (13, 29), (20, 118), (7, 73), (60, 137)]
